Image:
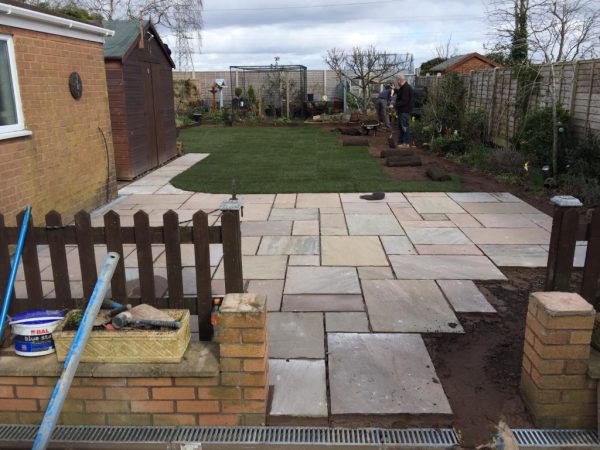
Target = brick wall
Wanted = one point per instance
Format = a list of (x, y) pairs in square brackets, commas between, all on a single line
[(63, 165), (236, 396), (554, 379)]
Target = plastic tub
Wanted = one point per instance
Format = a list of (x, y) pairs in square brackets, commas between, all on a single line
[(32, 331)]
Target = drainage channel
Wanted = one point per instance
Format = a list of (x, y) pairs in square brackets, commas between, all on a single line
[(199, 438)]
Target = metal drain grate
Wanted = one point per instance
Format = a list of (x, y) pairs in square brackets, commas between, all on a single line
[(421, 437), (555, 438)]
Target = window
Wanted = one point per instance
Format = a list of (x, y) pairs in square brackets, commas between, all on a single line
[(11, 116)]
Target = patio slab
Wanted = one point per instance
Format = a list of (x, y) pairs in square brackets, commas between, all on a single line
[(465, 297), (500, 208), (472, 197), (318, 201), (398, 245), (322, 280), (375, 273), (289, 245), (333, 225), (404, 382), (323, 303), (408, 306), (306, 228), (444, 267), (435, 205), (436, 236), (516, 255), (390, 197), (352, 251), (304, 260), (504, 221), (294, 214), (273, 289), (467, 249), (406, 213), (346, 322), (372, 225), (508, 235), (367, 208), (296, 335), (308, 398), (267, 267), (260, 228)]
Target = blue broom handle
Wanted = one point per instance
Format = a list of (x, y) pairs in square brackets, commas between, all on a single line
[(13, 269), (75, 352)]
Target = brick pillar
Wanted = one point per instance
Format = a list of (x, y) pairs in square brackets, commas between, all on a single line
[(554, 380), (244, 355)]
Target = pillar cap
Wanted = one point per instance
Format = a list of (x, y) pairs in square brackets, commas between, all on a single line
[(562, 303)]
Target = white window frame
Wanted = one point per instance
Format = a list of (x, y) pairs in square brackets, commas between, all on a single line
[(18, 129)]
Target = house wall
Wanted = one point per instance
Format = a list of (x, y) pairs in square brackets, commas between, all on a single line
[(63, 164)]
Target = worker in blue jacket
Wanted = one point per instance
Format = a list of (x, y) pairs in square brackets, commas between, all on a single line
[(384, 102)]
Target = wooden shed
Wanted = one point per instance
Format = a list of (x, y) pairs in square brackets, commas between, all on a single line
[(139, 73)]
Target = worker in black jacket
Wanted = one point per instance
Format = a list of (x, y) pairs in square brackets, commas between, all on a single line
[(404, 106)]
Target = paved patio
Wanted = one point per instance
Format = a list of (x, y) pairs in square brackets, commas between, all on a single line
[(352, 285)]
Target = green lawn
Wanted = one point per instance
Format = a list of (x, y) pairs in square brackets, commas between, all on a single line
[(287, 159)]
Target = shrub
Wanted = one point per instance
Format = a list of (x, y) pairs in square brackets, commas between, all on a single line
[(584, 157), (536, 136), (474, 126), (582, 187), (507, 160), (453, 145)]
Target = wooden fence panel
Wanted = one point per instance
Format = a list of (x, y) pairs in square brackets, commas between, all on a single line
[(591, 271), (144, 256), (31, 264), (173, 257), (58, 260), (232, 245), (203, 281), (85, 247), (114, 243), (5, 263)]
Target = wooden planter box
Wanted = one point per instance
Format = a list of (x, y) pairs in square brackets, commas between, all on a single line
[(129, 346)]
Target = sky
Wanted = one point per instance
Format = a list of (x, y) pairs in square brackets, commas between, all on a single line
[(254, 32)]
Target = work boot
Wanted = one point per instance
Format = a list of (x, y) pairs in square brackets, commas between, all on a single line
[(402, 146)]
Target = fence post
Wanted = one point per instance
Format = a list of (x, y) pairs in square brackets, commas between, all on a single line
[(562, 242), (589, 284), (232, 245)]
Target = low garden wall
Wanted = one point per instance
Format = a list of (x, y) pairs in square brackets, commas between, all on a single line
[(217, 383)]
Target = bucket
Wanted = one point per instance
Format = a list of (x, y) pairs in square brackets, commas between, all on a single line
[(32, 331)]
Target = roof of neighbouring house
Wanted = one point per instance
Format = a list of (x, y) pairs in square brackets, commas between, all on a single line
[(458, 59), (127, 33)]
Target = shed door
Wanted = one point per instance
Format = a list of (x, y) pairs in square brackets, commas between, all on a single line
[(158, 113), (150, 116)]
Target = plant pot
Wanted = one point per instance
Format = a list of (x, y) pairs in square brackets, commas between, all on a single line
[(197, 117)]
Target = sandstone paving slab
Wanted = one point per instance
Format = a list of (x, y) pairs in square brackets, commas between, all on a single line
[(352, 251), (285, 201), (397, 245), (516, 255), (444, 267), (464, 220), (270, 228), (465, 297), (289, 245), (465, 249), (299, 388), (304, 260), (438, 217), (508, 235), (507, 197), (263, 267), (256, 211), (273, 289), (203, 201), (373, 225), (137, 189), (390, 197), (149, 180), (367, 208), (322, 280), (172, 201), (504, 221), (409, 214), (541, 220), (296, 335), (250, 245), (410, 195), (332, 210), (408, 306), (500, 208), (405, 381), (170, 189), (443, 205), (188, 257), (427, 224), (436, 236), (294, 214), (306, 228), (248, 199), (347, 322), (375, 273), (472, 197), (323, 303), (318, 200), (333, 225)]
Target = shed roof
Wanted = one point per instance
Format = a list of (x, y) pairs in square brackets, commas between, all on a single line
[(455, 60), (127, 33)]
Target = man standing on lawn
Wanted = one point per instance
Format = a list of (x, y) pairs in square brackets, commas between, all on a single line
[(384, 101), (404, 107)]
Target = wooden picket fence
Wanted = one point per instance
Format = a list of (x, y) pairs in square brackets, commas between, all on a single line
[(567, 229), (82, 234)]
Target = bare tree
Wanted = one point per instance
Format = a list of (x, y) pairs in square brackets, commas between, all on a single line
[(367, 66), (545, 30), (183, 18), (446, 50)]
